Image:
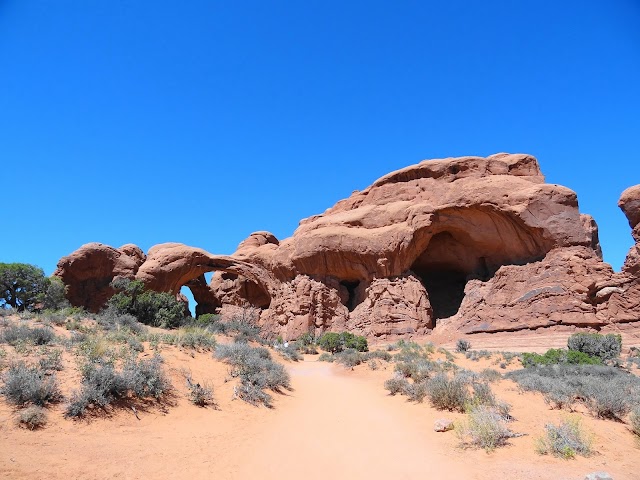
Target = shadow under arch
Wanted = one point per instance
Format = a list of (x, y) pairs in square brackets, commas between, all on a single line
[(470, 243)]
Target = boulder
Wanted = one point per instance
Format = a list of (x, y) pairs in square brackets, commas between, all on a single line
[(88, 271), (443, 425)]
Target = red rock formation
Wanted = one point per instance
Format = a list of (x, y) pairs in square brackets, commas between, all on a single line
[(481, 242), (88, 271)]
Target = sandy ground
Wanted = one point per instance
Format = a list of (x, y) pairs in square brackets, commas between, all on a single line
[(337, 423)]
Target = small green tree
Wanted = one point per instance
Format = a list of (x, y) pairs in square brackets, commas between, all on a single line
[(159, 309), (54, 296), (21, 285)]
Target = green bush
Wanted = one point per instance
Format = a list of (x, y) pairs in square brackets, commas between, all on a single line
[(331, 342), (54, 295), (463, 345), (556, 356), (605, 347), (336, 342), (158, 309)]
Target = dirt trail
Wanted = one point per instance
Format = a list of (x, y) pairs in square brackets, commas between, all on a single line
[(342, 426), (335, 424)]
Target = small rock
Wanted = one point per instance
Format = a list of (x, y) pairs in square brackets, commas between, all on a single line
[(598, 476), (443, 425)]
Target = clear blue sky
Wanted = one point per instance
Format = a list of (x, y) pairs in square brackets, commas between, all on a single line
[(202, 121)]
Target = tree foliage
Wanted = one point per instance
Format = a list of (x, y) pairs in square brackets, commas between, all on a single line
[(159, 309), (21, 285)]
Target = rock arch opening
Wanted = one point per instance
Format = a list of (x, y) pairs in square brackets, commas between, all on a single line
[(472, 244), (351, 299)]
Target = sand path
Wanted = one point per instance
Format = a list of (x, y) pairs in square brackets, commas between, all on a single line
[(342, 426), (335, 424)]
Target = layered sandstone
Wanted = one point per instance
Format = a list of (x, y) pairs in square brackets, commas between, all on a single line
[(469, 244)]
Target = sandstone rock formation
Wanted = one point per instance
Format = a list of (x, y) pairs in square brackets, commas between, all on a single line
[(468, 244)]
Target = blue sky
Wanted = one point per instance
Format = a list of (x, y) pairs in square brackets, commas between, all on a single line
[(202, 121)]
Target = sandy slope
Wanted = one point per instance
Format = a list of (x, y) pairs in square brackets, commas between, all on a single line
[(335, 424)]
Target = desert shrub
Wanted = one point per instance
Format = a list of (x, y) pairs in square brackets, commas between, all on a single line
[(51, 361), (206, 319), (608, 392), (244, 323), (349, 358), (484, 428), (411, 351), (605, 347), (565, 440), (331, 342), (419, 369), (396, 385), (159, 309), (607, 403), (336, 342), (200, 395), (146, 378), (14, 334), (55, 317), (634, 420), (253, 394), (306, 339), (482, 394), (29, 385), (490, 375), (110, 319), (256, 370), (96, 349), (357, 342), (7, 311), (476, 355), (33, 417), (194, 337), (447, 393), (326, 357), (448, 355), (377, 354), (463, 345), (373, 365), (290, 352), (308, 349), (102, 384), (416, 391), (559, 356)]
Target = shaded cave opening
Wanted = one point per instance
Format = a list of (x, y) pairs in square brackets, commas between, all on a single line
[(445, 287), (454, 257), (352, 299)]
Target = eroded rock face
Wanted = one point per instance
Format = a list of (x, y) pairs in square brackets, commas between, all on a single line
[(393, 306), (470, 244), (88, 271)]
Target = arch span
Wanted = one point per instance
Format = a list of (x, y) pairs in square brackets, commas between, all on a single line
[(168, 267)]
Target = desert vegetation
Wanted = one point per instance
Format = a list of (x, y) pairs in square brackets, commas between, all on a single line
[(114, 360)]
